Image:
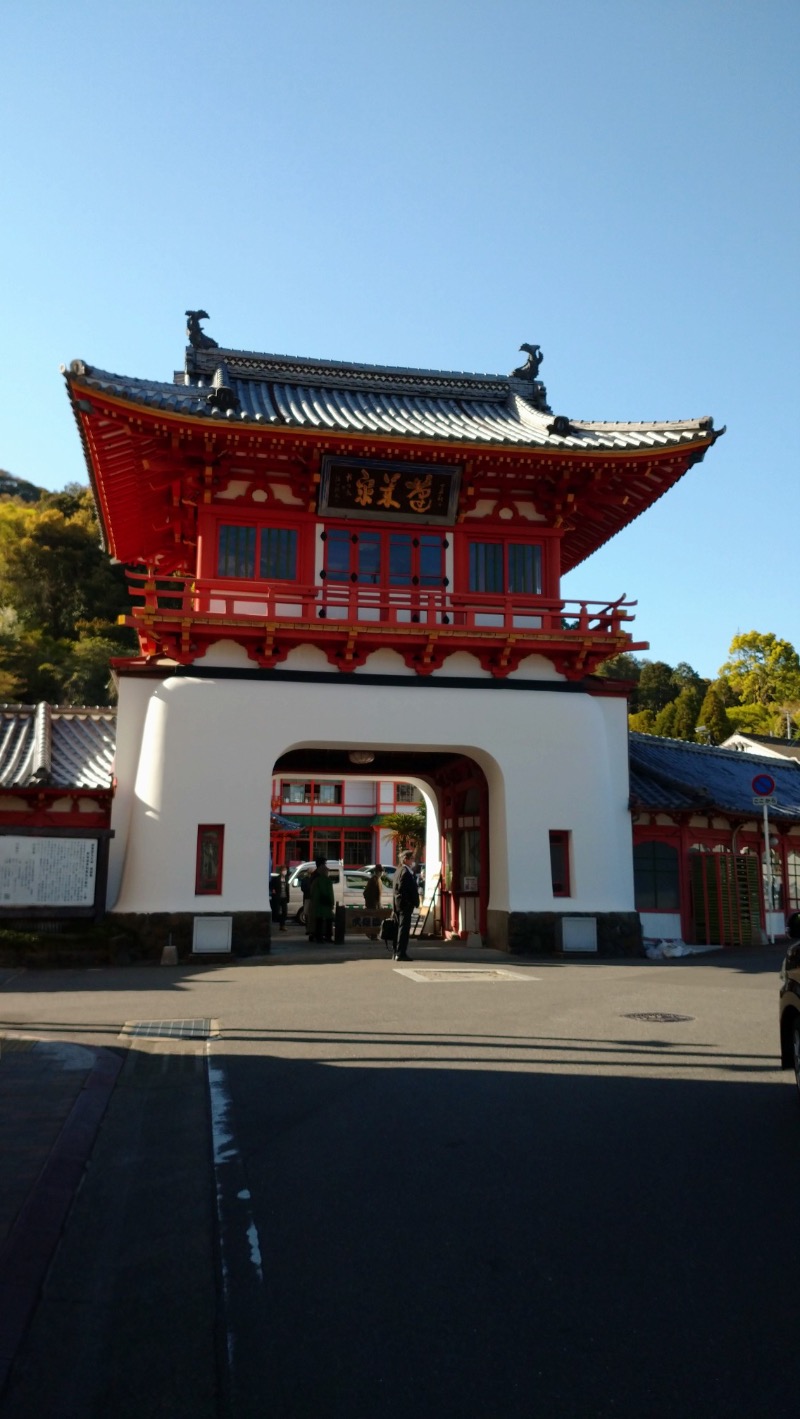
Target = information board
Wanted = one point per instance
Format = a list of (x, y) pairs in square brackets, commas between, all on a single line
[(47, 872)]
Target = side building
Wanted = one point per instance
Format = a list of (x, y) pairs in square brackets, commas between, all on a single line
[(705, 870), (345, 569)]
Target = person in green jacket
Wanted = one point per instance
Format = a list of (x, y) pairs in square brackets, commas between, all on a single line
[(372, 896), (321, 904)]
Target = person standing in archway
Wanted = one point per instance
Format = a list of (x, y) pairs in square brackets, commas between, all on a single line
[(372, 896), (321, 904), (405, 899)]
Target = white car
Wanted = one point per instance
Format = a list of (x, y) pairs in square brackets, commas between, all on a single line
[(348, 885), (387, 872)]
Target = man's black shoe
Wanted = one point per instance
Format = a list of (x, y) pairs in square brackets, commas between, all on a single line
[(403, 958)]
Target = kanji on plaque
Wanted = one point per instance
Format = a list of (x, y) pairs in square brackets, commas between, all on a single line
[(398, 492)]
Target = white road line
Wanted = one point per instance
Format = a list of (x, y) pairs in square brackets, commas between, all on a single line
[(237, 1230)]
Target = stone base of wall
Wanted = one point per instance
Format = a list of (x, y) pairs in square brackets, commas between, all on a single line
[(540, 933), (149, 932)]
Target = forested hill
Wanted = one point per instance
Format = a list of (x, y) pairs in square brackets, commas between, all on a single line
[(11, 487), (60, 596)]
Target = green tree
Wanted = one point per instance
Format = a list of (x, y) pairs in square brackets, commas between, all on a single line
[(656, 687), (684, 675), (87, 676), (725, 690), (642, 722), (34, 665), (687, 709), (53, 571), (620, 667), (407, 829), (60, 598), (665, 721), (785, 719), (749, 719), (761, 669), (712, 722)]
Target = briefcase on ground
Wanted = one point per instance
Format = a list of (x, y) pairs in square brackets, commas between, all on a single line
[(389, 931)]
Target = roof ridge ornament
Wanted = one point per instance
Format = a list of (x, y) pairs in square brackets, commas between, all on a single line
[(530, 369), (536, 394), (197, 338)]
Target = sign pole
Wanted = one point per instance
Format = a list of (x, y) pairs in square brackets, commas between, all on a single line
[(768, 865), (763, 787)]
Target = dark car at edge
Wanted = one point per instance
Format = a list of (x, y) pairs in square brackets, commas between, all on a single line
[(789, 1001)]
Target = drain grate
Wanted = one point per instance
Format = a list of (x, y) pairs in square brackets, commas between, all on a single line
[(171, 1029), (457, 975), (657, 1017)]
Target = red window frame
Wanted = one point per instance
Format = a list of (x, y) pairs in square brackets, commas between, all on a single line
[(209, 859), (415, 803), (535, 535), (210, 524), (560, 838), (385, 573), (313, 800)]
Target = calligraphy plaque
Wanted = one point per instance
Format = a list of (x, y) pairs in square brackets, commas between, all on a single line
[(389, 492)]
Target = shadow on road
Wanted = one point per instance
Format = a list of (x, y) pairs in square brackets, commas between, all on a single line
[(471, 1241)]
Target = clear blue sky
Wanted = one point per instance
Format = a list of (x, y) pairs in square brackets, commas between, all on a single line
[(431, 184)]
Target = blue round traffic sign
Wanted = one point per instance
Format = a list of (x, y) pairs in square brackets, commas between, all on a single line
[(763, 785)]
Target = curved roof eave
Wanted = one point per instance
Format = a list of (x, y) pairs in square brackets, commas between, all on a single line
[(465, 419)]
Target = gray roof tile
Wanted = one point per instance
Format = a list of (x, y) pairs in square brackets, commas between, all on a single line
[(82, 742), (671, 774), (429, 404)]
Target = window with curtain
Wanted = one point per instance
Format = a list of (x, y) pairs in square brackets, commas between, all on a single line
[(500, 568), (278, 560), (244, 552), (236, 551)]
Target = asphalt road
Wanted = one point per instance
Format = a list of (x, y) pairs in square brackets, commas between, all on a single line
[(386, 1193)]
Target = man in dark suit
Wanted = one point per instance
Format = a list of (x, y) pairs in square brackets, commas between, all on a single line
[(405, 899)]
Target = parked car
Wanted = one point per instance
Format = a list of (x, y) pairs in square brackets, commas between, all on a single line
[(348, 886), (387, 872), (789, 1001)]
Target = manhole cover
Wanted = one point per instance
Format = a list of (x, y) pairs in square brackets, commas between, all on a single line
[(457, 975), (657, 1017), (171, 1029)]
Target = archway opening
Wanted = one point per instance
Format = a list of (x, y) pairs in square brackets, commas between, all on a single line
[(339, 805)]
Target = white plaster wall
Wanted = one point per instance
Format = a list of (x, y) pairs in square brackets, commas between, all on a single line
[(207, 750), (433, 843), (359, 796), (134, 698)]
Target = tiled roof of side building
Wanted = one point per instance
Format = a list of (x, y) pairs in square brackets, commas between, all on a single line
[(17, 725), (766, 744), (84, 743), (670, 774), (324, 395), (76, 752)]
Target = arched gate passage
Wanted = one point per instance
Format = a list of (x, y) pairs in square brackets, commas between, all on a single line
[(198, 749), (458, 788)]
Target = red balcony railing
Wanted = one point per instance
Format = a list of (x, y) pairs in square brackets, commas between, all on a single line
[(358, 604)]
